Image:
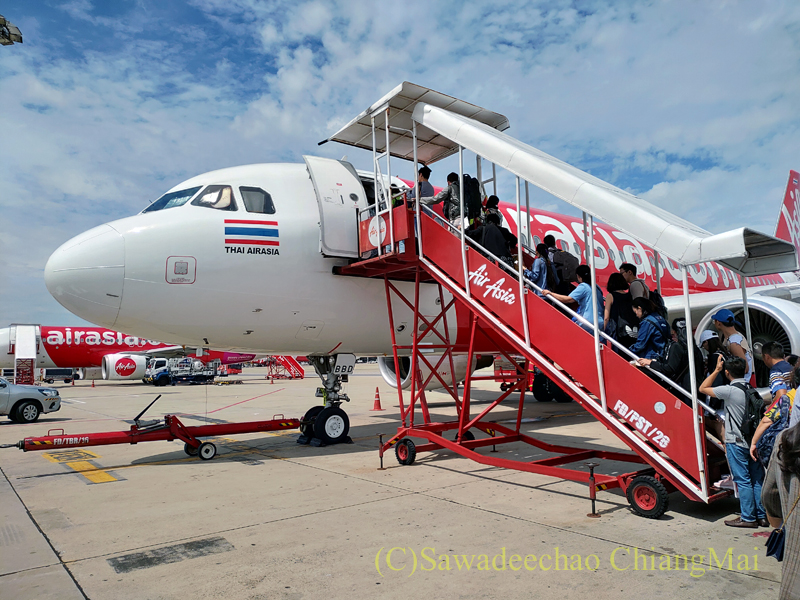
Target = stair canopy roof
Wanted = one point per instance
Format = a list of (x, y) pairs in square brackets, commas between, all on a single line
[(744, 250), (401, 101)]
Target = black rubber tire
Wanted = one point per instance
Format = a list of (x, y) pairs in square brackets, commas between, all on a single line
[(541, 388), (207, 451), (468, 436), (307, 423), (331, 425), (504, 387), (648, 497), (190, 450), (28, 412), (405, 451), (559, 395)]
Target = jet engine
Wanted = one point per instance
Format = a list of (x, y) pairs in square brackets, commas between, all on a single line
[(771, 320), (386, 365), (123, 366)]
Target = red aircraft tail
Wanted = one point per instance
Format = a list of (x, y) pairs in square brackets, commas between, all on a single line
[(788, 227)]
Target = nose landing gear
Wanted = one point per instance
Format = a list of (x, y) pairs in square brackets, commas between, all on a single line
[(328, 424)]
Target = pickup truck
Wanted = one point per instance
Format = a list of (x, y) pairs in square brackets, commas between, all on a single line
[(24, 403)]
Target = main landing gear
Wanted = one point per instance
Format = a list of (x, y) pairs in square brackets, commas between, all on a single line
[(328, 424)]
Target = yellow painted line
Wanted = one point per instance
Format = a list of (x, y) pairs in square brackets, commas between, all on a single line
[(78, 460), (91, 472)]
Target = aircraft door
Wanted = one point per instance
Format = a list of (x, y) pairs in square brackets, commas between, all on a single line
[(339, 194)]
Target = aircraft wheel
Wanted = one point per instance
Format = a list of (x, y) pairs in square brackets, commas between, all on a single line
[(541, 389), (207, 451), (307, 423), (405, 451), (331, 425), (648, 496), (190, 450)]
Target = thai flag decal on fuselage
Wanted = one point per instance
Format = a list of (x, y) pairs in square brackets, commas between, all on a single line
[(251, 232)]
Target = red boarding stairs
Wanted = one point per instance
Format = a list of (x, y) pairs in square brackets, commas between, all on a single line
[(284, 367), (666, 435)]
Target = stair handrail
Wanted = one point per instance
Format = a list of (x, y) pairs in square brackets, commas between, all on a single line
[(510, 269)]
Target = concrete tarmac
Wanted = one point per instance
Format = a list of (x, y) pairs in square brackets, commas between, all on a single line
[(268, 518)]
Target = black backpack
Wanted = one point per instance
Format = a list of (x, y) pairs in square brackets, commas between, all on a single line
[(753, 411), (565, 264), (658, 302), (472, 197)]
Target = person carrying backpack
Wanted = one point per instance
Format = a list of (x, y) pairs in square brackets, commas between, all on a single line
[(493, 208), (653, 330), (675, 364), (621, 322), (778, 414), (743, 411), (450, 199), (542, 272), (496, 239)]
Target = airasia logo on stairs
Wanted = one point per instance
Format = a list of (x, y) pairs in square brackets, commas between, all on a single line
[(124, 367), (479, 278)]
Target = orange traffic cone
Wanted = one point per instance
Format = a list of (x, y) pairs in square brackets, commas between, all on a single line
[(377, 405)]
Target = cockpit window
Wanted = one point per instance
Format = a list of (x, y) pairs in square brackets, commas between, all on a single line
[(216, 196), (257, 200), (172, 200)]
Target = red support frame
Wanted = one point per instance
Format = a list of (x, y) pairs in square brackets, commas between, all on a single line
[(464, 444)]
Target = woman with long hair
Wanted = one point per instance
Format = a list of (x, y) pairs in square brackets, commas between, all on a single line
[(780, 493), (653, 330), (542, 271), (621, 322)]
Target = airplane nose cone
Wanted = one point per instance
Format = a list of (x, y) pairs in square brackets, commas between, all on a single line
[(86, 274)]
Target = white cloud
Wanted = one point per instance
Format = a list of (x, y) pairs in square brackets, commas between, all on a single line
[(692, 105)]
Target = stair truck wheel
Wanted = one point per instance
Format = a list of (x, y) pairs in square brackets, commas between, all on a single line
[(332, 425), (191, 451), (648, 496), (307, 424), (207, 451), (468, 436), (405, 451)]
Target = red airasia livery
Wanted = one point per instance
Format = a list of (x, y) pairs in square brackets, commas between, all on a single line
[(612, 248), (120, 356)]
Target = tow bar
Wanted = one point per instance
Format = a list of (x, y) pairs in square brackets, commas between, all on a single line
[(169, 429)]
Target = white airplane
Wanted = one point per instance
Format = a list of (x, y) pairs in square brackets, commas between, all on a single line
[(243, 259)]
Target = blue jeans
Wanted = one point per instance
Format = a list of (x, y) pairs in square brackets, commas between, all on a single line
[(748, 476)]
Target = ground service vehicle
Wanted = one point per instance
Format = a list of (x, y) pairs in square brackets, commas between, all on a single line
[(24, 403), (179, 370)]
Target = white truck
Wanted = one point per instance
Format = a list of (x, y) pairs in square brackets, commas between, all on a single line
[(163, 371), (24, 403)]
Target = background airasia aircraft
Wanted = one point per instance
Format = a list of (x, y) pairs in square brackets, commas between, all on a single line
[(112, 354)]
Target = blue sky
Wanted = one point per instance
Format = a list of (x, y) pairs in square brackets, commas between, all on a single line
[(693, 105)]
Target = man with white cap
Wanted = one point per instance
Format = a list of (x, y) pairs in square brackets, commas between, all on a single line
[(733, 341)]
